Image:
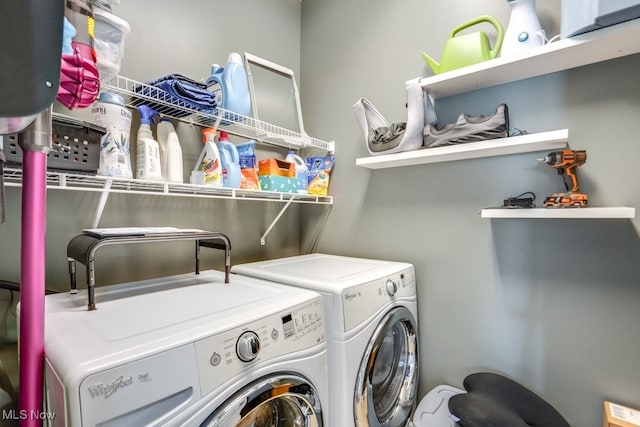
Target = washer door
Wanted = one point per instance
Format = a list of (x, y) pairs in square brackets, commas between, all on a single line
[(275, 401), (387, 381)]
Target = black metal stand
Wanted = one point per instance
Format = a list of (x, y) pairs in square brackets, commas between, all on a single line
[(82, 248)]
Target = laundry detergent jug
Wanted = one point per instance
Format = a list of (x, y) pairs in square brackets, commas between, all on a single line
[(467, 49), (231, 175), (302, 172), (234, 87)]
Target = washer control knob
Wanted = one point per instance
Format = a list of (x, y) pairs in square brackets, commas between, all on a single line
[(391, 287), (248, 346)]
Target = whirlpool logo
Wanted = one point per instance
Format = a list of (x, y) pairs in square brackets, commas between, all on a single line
[(350, 296), (108, 389)]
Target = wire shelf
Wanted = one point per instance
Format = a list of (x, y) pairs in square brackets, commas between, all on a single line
[(97, 183), (136, 93)]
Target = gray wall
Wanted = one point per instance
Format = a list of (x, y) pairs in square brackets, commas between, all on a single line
[(550, 303)]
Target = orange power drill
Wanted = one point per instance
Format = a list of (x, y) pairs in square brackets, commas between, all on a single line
[(567, 161)]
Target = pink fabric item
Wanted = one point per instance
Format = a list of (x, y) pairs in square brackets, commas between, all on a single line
[(79, 78)]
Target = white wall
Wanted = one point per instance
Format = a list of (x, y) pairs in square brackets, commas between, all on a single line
[(550, 303)]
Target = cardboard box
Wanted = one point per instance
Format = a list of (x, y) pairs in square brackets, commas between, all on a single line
[(277, 175), (616, 415), (282, 184), (276, 167)]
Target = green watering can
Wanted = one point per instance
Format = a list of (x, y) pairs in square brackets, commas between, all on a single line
[(467, 49)]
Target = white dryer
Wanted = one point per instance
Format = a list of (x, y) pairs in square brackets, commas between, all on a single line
[(371, 320), (187, 350)]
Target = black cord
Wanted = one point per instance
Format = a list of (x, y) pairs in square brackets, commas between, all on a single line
[(520, 201)]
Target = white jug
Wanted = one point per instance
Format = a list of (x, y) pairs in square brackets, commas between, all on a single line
[(524, 31)]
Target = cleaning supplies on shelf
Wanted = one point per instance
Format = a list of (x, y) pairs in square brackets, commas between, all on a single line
[(277, 175), (208, 169), (230, 160), (234, 87), (111, 113), (249, 179), (148, 164), (524, 30), (170, 151), (302, 173), (175, 89), (319, 170)]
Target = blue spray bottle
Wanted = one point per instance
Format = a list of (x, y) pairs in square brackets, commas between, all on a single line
[(234, 85), (148, 165)]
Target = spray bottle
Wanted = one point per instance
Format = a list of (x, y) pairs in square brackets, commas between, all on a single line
[(170, 151), (231, 175), (148, 164), (208, 169), (302, 172)]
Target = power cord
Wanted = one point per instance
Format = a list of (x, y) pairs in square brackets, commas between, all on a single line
[(520, 201)]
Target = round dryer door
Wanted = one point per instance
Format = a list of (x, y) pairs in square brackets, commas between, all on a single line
[(275, 401), (387, 382)]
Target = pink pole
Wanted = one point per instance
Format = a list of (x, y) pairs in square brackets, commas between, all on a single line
[(32, 286)]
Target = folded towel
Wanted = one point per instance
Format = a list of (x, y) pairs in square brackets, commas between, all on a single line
[(178, 90)]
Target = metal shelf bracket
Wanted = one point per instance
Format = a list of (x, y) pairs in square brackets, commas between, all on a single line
[(275, 220), (104, 196)]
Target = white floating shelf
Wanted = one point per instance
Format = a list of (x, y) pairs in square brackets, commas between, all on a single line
[(495, 147), (560, 213), (596, 46)]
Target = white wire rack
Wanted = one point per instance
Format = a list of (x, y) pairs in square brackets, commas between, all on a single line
[(107, 185), (96, 183), (136, 93)]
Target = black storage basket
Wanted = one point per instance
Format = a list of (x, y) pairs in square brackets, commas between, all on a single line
[(75, 145)]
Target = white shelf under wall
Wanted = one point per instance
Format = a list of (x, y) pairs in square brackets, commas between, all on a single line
[(495, 147), (560, 213), (596, 46)]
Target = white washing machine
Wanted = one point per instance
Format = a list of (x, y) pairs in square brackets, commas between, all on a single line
[(371, 321), (187, 350)]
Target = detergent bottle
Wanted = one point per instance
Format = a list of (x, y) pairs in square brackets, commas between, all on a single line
[(302, 172), (231, 175), (234, 85), (208, 169), (148, 164), (170, 151), (111, 113)]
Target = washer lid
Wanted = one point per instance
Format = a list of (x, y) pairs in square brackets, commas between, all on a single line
[(142, 318), (320, 271)]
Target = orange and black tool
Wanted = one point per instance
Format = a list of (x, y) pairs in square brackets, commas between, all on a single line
[(566, 162)]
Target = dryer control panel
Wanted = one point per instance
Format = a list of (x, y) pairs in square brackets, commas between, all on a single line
[(362, 301), (223, 356)]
